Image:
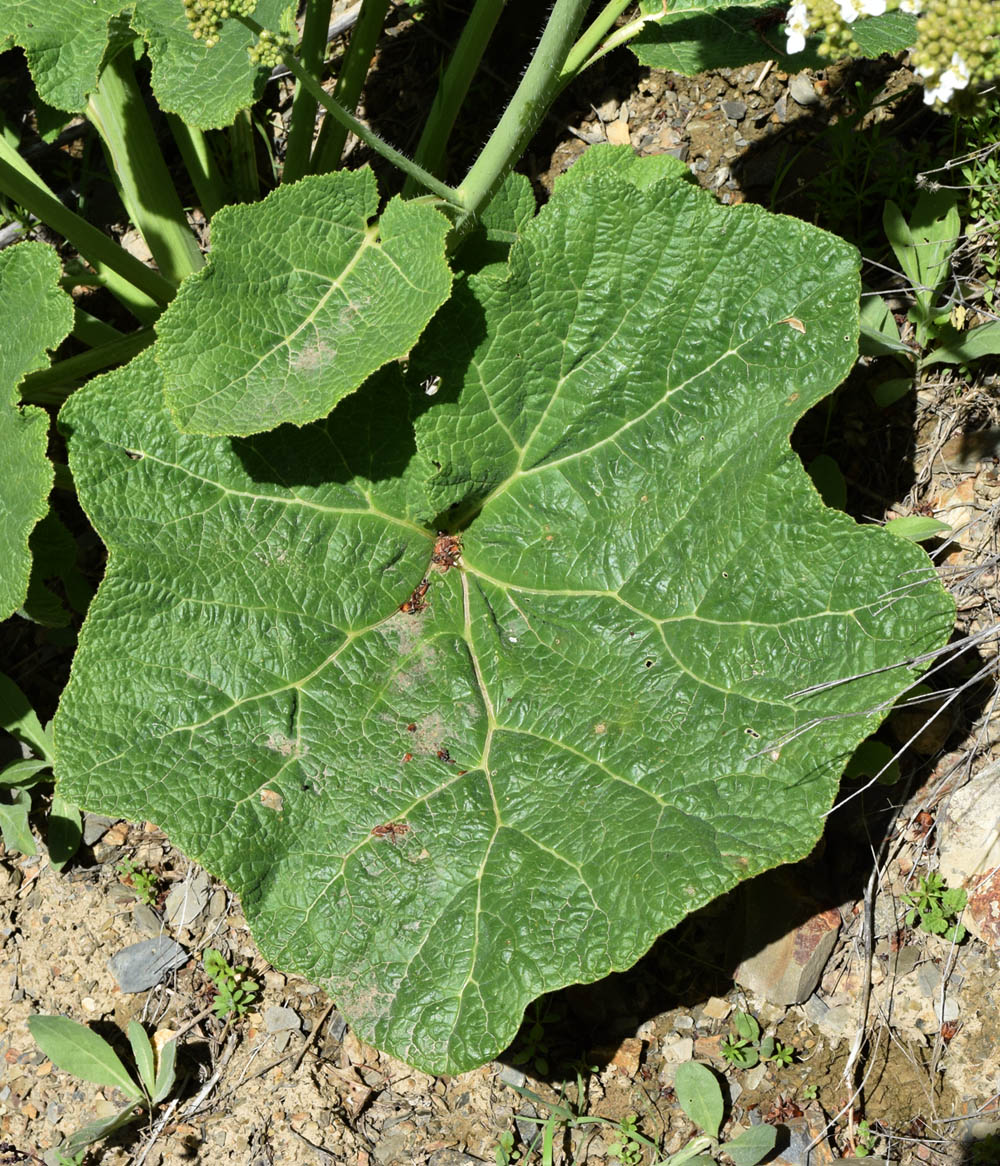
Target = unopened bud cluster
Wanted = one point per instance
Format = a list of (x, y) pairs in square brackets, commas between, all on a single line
[(268, 49), (205, 17), (957, 46)]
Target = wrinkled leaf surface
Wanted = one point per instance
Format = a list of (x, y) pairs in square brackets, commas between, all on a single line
[(577, 735), (35, 315)]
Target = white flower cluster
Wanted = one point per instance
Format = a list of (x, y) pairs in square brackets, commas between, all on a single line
[(957, 44)]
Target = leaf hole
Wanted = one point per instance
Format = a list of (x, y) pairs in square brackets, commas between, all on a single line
[(134, 455), (648, 663), (752, 733)]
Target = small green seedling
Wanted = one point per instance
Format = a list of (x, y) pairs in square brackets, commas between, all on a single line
[(924, 247), (76, 1049), (937, 907), (20, 779), (235, 991), (864, 1140), (143, 882), (810, 1092), (505, 1154), (744, 1048), (628, 1148), (533, 1038)]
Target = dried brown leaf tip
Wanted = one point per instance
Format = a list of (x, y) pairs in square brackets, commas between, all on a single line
[(447, 550)]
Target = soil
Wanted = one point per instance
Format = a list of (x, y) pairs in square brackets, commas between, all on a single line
[(290, 1083)]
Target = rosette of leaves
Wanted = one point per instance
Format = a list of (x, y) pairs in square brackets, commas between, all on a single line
[(450, 773)]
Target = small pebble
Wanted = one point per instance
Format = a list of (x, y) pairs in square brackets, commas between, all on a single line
[(802, 91), (143, 965), (735, 110)]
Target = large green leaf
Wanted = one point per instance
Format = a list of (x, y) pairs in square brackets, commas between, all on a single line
[(439, 813), (302, 298), (66, 42), (206, 87), (35, 315), (695, 35)]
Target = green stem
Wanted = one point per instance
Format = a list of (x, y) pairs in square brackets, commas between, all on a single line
[(363, 132), (539, 86), (453, 88), (91, 330), (142, 290), (117, 110), (246, 180), (200, 163), (589, 48), (51, 386), (353, 71), (303, 120)]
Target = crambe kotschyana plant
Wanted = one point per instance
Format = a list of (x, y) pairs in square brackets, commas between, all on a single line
[(460, 574)]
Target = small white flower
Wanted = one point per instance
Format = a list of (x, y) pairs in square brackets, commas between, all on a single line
[(850, 10), (956, 76), (796, 27), (914, 7)]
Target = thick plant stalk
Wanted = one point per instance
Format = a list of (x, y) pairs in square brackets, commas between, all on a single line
[(539, 86), (453, 88), (117, 111), (303, 121), (369, 137), (51, 386), (246, 181), (142, 290), (353, 71), (199, 161)]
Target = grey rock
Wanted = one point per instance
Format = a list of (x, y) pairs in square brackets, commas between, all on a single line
[(929, 979), (336, 1027), (511, 1075), (95, 826), (281, 1040), (815, 1009), (217, 904), (736, 110), (802, 90), (142, 966), (781, 108), (187, 900), (678, 152), (951, 1010), (450, 1157), (907, 959), (281, 1019), (146, 919), (392, 1149)]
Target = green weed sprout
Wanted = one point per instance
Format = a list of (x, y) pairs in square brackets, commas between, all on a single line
[(744, 1048), (18, 780), (937, 907), (235, 992), (864, 1140), (143, 882), (76, 1049)]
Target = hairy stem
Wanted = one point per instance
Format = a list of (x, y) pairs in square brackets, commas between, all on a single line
[(453, 88), (353, 71), (539, 86), (246, 181), (363, 132), (303, 120)]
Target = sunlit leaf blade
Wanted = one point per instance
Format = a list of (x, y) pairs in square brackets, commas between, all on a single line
[(300, 301), (441, 813), (205, 86), (63, 42), (76, 1049), (35, 315)]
